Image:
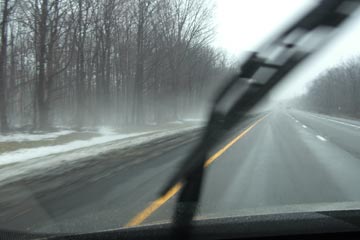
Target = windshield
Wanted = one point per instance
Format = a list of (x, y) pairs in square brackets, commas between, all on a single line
[(101, 101)]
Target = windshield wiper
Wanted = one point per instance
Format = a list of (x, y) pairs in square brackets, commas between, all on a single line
[(258, 75)]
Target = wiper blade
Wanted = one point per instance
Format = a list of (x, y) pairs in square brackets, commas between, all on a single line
[(258, 75)]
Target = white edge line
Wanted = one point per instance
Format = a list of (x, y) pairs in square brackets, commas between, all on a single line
[(332, 120)]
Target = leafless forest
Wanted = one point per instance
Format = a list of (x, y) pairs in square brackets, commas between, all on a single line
[(84, 63), (335, 91)]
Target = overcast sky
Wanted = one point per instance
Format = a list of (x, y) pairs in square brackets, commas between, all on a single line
[(242, 25)]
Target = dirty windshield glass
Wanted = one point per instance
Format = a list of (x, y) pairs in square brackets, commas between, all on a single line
[(100, 101)]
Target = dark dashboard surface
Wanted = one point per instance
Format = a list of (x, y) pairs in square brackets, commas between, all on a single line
[(344, 224)]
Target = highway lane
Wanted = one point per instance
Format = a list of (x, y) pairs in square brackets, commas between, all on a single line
[(110, 190), (283, 161), (289, 157), (341, 132), (109, 196)]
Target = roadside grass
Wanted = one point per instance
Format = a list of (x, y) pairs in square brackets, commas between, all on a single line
[(12, 145)]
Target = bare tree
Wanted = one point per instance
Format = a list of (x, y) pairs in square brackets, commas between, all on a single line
[(117, 62), (335, 91), (6, 11)]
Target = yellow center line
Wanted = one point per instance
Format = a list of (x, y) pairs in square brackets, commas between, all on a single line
[(144, 214)]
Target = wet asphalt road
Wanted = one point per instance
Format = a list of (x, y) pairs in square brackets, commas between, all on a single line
[(289, 157)]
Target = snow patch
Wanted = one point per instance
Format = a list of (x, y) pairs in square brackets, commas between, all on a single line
[(17, 164), (36, 136), (25, 154), (176, 122), (106, 131), (199, 120)]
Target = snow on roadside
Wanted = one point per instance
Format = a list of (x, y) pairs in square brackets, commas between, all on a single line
[(199, 120), (176, 122), (21, 137), (29, 153), (106, 131), (37, 161)]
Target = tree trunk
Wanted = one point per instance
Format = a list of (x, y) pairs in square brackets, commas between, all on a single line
[(139, 72), (43, 108), (3, 55), (80, 69)]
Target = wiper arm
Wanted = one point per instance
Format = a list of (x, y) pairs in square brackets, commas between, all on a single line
[(259, 74)]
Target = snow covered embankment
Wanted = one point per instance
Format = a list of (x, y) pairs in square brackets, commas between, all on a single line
[(21, 137), (26, 154), (25, 163)]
